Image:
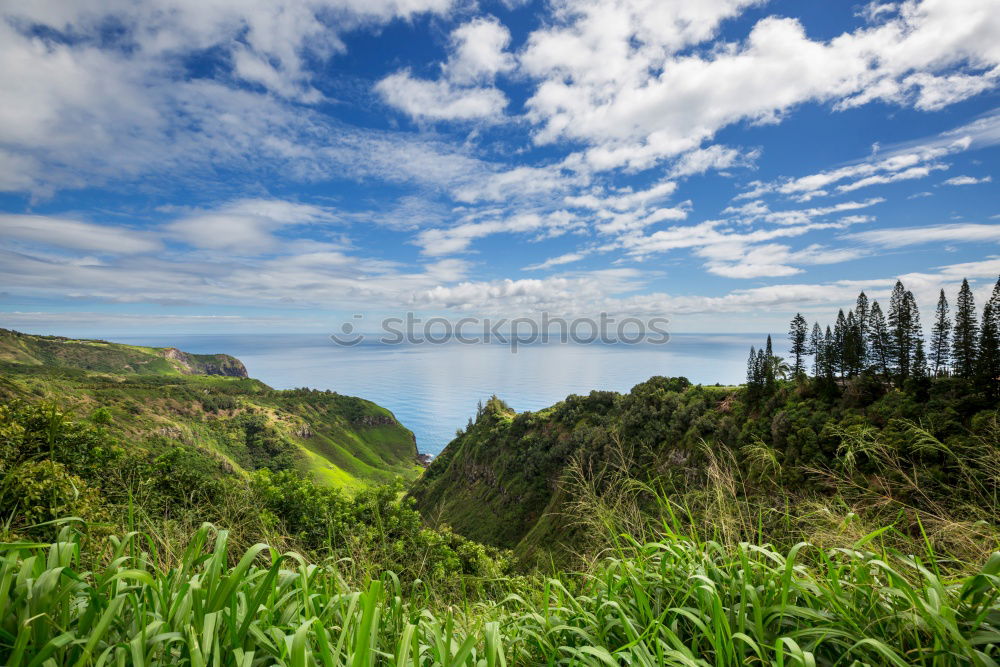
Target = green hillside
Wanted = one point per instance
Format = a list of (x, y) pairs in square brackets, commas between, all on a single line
[(517, 480), (118, 358), (160, 398)]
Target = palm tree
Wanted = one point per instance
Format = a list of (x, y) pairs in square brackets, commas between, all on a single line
[(782, 369)]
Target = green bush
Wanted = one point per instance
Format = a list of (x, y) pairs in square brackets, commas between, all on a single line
[(37, 492)]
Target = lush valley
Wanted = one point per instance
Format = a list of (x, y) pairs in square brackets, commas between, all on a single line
[(158, 399)]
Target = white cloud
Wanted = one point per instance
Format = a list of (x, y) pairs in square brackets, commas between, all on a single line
[(879, 179), (613, 74), (758, 211), (625, 199), (267, 39), (771, 260), (937, 92), (479, 51), (106, 106), (67, 233), (439, 100), (245, 226), (567, 258), (967, 180), (899, 237), (466, 90), (715, 157), (445, 241), (887, 166)]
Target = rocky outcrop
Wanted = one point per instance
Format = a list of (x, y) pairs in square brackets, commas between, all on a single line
[(206, 364), (373, 420)]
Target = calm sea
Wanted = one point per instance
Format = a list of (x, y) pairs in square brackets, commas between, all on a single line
[(434, 389)]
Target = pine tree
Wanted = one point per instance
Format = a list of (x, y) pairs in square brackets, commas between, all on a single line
[(852, 345), (829, 355), (966, 333), (919, 365), (769, 366), (940, 335), (752, 379), (915, 336), (861, 314), (995, 302), (988, 362), (797, 335), (761, 370), (879, 335), (839, 342), (816, 347), (899, 332)]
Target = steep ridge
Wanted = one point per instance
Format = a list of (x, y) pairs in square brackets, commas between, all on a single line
[(159, 398), (100, 355)]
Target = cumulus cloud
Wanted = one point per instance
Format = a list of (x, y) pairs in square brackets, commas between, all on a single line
[(439, 100), (86, 106), (615, 75), (479, 51), (465, 90)]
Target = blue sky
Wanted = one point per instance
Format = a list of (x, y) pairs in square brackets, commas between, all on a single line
[(278, 166)]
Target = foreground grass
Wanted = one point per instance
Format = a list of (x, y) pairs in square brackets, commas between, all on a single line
[(670, 602)]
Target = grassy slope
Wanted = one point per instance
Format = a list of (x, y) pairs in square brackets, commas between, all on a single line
[(159, 402)]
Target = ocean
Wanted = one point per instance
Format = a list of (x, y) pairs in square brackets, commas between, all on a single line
[(434, 389)]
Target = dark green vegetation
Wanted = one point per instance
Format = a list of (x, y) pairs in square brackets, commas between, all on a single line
[(158, 399), (844, 519)]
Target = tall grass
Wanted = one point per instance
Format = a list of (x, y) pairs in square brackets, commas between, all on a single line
[(673, 601)]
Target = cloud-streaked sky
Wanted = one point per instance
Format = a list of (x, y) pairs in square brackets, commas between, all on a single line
[(279, 165)]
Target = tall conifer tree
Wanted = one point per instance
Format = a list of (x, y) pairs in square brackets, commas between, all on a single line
[(829, 355), (769, 366), (941, 337), (966, 333), (840, 342), (988, 361), (879, 335), (797, 333), (816, 347), (900, 329), (995, 303), (862, 309)]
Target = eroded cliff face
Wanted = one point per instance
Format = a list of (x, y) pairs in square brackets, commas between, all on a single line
[(205, 364)]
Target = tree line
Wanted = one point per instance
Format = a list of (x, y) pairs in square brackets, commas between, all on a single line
[(890, 346)]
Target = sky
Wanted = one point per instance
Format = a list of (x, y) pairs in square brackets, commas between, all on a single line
[(219, 166)]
